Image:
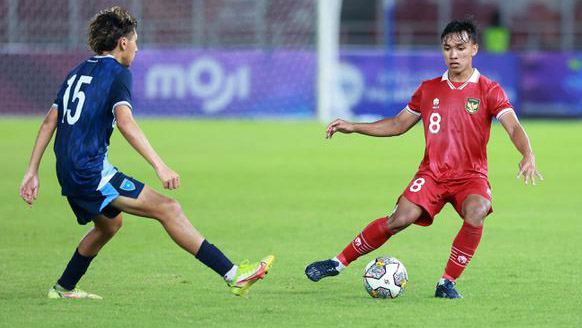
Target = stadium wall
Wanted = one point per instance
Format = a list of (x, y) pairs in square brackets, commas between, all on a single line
[(282, 83)]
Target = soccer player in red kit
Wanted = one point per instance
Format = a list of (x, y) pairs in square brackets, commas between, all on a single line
[(456, 109)]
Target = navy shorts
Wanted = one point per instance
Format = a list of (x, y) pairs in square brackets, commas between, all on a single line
[(86, 208)]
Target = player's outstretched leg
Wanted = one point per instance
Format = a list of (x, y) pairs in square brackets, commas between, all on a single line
[(168, 212), (66, 287), (474, 208), (371, 238)]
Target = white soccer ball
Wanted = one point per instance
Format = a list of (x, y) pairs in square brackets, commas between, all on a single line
[(385, 277)]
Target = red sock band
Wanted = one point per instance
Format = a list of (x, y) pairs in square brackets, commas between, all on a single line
[(371, 238), (463, 249)]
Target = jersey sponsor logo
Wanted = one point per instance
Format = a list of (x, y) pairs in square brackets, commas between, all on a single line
[(435, 103), (472, 105), (127, 185)]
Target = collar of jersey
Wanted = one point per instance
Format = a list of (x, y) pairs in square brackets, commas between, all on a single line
[(98, 57), (473, 79)]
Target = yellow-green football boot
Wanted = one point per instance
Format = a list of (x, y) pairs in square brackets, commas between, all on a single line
[(247, 274), (59, 292)]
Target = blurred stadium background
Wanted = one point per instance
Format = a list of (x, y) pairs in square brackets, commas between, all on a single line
[(284, 58)]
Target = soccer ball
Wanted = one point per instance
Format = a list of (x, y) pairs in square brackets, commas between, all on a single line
[(385, 277)]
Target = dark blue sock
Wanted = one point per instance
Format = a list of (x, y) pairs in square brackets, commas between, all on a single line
[(213, 258), (75, 270)]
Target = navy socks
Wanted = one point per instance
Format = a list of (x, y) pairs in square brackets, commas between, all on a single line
[(208, 254), (213, 258), (75, 270)]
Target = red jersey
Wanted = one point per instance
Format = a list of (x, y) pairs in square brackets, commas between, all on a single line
[(457, 124)]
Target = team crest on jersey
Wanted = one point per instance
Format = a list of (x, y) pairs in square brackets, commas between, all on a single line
[(472, 105)]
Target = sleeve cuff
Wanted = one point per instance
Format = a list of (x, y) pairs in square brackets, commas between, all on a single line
[(503, 112), (126, 103), (411, 111)]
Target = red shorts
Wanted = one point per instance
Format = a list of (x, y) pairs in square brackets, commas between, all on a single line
[(432, 196)]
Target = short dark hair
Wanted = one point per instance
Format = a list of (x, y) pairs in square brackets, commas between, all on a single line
[(108, 26), (459, 26)]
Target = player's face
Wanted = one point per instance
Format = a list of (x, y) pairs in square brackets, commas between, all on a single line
[(458, 51), (130, 49)]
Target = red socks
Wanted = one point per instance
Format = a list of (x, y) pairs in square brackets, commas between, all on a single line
[(464, 247), (377, 233), (371, 238)]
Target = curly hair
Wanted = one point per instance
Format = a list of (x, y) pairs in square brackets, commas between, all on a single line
[(108, 26)]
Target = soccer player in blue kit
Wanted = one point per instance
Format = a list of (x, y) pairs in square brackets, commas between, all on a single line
[(96, 95)]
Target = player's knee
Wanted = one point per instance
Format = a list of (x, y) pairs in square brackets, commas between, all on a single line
[(475, 214), (111, 228), (170, 209), (115, 226), (398, 222)]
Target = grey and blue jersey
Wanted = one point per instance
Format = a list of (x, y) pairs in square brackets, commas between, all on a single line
[(86, 118)]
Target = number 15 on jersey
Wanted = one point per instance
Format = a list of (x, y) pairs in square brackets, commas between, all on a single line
[(78, 94)]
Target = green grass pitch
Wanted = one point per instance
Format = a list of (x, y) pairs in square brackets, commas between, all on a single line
[(255, 188)]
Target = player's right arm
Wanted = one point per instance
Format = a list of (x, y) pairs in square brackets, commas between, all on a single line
[(387, 127), (30, 184), (137, 139)]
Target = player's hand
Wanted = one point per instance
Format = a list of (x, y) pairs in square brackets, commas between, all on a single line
[(339, 125), (527, 169), (169, 178), (29, 188)]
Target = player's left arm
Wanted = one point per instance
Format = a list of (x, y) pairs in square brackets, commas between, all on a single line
[(30, 183), (527, 166), (137, 139)]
